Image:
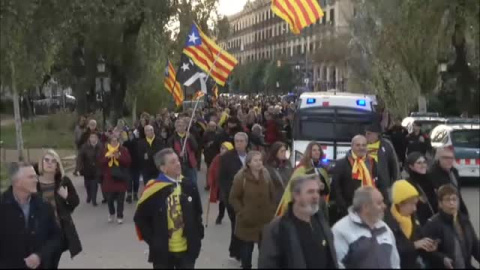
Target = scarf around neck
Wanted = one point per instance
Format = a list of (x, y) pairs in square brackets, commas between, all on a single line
[(110, 151), (405, 223), (360, 170), (150, 141), (373, 150)]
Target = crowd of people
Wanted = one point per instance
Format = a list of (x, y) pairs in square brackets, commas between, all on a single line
[(359, 213)]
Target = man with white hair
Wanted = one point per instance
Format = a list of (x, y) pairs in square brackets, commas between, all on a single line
[(147, 148), (443, 172), (230, 163), (29, 234), (362, 239)]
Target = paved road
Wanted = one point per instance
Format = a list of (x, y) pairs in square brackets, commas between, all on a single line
[(115, 246)]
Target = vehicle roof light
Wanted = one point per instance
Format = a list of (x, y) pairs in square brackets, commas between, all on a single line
[(311, 100), (325, 104), (361, 102)]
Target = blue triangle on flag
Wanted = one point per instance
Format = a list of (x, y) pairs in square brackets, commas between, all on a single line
[(193, 37)]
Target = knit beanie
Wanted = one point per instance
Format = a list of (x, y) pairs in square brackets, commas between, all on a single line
[(228, 145), (403, 190)]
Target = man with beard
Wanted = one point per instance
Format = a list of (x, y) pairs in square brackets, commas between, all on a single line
[(301, 239)]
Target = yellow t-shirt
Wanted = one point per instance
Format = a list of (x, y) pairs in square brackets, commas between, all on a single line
[(373, 150), (177, 242)]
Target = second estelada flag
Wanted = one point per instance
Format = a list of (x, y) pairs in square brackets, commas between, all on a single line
[(208, 56), (298, 13), (172, 85)]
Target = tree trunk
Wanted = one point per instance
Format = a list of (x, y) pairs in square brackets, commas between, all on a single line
[(16, 111)]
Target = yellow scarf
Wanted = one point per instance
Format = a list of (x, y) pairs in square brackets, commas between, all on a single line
[(360, 171), (405, 222), (150, 141), (109, 154), (224, 118), (182, 135), (373, 150)]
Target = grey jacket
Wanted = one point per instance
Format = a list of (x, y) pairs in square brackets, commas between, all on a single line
[(281, 248), (387, 165), (358, 246), (280, 178)]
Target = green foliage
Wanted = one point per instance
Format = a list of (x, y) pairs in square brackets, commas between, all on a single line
[(4, 183), (53, 131)]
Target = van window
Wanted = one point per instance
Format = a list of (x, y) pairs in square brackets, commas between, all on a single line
[(331, 124), (466, 138)]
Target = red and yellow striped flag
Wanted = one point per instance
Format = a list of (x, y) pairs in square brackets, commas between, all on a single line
[(298, 13), (172, 85), (208, 56)]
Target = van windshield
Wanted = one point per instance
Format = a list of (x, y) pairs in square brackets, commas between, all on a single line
[(468, 138), (331, 124)]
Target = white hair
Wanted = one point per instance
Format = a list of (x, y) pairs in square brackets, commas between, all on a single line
[(239, 135)]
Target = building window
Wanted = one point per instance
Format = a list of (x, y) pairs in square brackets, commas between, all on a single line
[(332, 16)]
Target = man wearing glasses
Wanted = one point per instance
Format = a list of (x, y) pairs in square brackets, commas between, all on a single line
[(443, 172)]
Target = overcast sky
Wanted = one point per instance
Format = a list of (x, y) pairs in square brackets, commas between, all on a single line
[(229, 7)]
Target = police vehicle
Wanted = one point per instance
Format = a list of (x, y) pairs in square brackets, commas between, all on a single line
[(428, 121), (331, 118), (463, 136)]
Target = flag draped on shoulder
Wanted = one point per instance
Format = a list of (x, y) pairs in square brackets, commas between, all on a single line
[(152, 187), (208, 56), (298, 13), (172, 85)]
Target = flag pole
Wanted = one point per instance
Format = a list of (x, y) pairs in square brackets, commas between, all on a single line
[(196, 103)]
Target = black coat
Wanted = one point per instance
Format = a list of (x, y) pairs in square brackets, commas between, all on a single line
[(398, 137), (210, 149), (441, 227), (88, 158), (406, 249), (281, 247), (154, 227), (230, 164), (65, 208), (415, 145), (428, 205), (440, 177), (146, 154), (344, 186), (132, 146), (42, 237)]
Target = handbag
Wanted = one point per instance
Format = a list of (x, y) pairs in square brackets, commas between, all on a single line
[(120, 174)]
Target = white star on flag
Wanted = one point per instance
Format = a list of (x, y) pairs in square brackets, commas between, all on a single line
[(192, 38), (185, 67)]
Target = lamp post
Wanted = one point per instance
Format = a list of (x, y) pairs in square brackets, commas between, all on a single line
[(101, 76)]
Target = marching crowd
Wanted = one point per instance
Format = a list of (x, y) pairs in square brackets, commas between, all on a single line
[(358, 213)]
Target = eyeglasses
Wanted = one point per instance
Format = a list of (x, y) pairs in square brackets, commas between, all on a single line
[(50, 160)]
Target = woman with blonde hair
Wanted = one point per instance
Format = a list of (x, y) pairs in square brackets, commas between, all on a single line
[(58, 190), (253, 198)]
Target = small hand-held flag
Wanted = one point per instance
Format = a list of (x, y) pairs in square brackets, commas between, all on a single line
[(172, 85), (215, 92), (208, 56), (298, 13)]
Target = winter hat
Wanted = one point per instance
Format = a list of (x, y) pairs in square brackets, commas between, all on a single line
[(228, 145), (403, 190), (413, 157)]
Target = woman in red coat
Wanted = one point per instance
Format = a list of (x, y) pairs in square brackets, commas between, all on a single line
[(212, 178), (114, 155)]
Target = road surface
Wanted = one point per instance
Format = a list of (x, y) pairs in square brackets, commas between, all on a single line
[(115, 246)]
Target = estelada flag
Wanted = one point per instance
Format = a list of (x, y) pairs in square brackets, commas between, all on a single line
[(298, 13), (172, 85), (208, 56)]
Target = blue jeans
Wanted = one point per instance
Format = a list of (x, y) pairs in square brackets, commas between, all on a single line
[(190, 173)]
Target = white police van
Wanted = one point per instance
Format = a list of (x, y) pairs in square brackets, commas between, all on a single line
[(331, 118)]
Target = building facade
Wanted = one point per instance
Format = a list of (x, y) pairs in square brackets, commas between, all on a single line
[(256, 33)]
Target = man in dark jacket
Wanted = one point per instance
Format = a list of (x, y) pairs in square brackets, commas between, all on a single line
[(398, 136), (174, 236), (188, 157), (383, 152), (346, 180), (232, 127), (147, 148), (417, 141), (209, 148), (456, 237), (230, 163), (29, 234), (135, 167), (90, 167), (443, 172), (301, 239)]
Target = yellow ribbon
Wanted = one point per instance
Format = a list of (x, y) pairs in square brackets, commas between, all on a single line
[(109, 154), (373, 150), (360, 170)]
